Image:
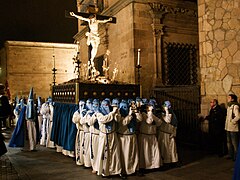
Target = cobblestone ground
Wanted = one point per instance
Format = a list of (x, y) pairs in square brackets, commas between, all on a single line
[(7, 171), (47, 164)]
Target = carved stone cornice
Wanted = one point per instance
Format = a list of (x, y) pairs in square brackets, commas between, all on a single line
[(157, 11), (164, 8)]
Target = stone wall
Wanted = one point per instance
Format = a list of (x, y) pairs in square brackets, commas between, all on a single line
[(219, 47), (29, 64)]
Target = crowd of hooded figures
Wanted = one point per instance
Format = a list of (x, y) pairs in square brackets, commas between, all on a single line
[(33, 123), (114, 137), (124, 137)]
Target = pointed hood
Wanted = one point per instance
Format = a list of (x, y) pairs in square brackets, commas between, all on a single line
[(30, 96), (17, 100), (39, 104), (30, 111)]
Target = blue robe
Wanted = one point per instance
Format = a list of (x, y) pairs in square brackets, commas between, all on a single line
[(63, 129), (17, 139)]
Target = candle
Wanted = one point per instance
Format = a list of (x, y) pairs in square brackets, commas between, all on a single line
[(53, 61), (138, 60)]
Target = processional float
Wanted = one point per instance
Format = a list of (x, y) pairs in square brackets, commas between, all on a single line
[(89, 83)]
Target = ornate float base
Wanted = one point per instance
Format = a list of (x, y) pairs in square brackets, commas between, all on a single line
[(74, 90)]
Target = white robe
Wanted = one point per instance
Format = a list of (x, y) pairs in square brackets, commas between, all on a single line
[(79, 139), (49, 143), (86, 142), (30, 143), (149, 151), (128, 145), (167, 142), (94, 138), (45, 111), (108, 149)]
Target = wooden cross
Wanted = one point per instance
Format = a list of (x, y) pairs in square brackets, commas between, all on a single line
[(86, 15), (104, 19)]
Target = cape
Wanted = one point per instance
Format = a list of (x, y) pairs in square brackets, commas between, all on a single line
[(17, 139)]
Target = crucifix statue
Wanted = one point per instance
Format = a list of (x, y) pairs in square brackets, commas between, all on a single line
[(93, 38)]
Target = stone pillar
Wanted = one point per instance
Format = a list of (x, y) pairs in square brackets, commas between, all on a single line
[(157, 28), (219, 49)]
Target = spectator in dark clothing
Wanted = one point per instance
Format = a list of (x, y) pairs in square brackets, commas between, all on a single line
[(216, 119), (5, 110)]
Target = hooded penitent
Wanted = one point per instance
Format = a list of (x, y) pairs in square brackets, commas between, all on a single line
[(96, 108), (50, 101), (30, 115), (89, 104), (96, 105), (22, 104), (115, 102), (82, 108), (124, 109), (39, 104), (145, 101), (105, 107), (153, 103), (167, 104), (16, 100), (174, 120), (105, 110)]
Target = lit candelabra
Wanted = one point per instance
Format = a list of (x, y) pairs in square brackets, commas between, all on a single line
[(138, 66), (54, 71)]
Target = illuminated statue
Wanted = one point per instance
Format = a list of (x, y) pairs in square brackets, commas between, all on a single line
[(105, 65), (115, 72), (93, 36)]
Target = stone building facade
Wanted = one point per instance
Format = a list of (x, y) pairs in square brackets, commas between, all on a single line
[(30, 64), (219, 49)]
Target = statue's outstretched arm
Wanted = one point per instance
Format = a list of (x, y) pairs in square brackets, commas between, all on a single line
[(105, 21), (79, 17)]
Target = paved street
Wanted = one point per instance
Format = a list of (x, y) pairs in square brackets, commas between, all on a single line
[(46, 163)]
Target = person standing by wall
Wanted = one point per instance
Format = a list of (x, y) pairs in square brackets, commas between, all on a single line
[(216, 119), (231, 126)]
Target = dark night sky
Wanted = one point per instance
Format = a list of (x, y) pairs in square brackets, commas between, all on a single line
[(37, 20)]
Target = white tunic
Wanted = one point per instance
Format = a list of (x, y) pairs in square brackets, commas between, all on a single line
[(86, 142), (49, 143), (108, 149), (45, 111), (128, 145), (167, 142), (149, 151), (94, 138), (79, 139), (30, 143)]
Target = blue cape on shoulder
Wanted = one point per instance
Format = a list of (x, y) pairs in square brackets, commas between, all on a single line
[(17, 139)]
